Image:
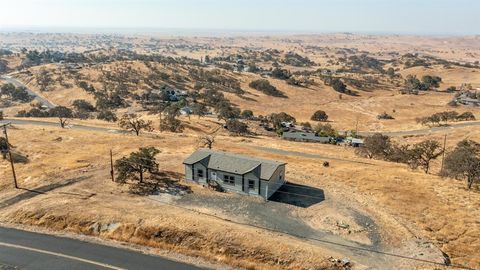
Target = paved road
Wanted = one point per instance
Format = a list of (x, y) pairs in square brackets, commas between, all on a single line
[(389, 133), (38, 97), (32, 251), (56, 124)]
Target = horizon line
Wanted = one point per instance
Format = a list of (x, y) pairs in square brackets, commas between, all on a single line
[(142, 30)]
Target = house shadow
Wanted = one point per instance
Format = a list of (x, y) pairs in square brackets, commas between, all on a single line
[(298, 195)]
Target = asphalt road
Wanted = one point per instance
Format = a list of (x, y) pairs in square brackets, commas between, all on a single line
[(18, 83), (56, 124), (388, 133), (34, 251)]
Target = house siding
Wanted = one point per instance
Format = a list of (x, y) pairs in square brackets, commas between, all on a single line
[(199, 166), (212, 170), (237, 187), (257, 186), (274, 183), (188, 172)]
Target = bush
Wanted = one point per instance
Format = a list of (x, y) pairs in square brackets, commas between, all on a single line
[(108, 116), (376, 146), (247, 114), (281, 74), (83, 105), (384, 116), (265, 87), (237, 127), (319, 116), (466, 116), (325, 130)]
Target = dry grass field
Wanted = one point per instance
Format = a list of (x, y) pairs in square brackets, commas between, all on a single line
[(374, 213)]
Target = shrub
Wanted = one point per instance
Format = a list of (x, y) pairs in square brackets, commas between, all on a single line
[(247, 114), (319, 116), (466, 116), (385, 116), (108, 116), (237, 127)]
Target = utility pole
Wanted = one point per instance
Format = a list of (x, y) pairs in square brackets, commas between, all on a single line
[(444, 148), (10, 155), (356, 128), (112, 173)]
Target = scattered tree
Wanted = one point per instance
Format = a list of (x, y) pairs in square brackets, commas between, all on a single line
[(319, 116), (422, 153), (107, 115), (237, 127), (265, 87), (133, 122), (466, 116), (385, 116), (464, 162), (325, 130), (199, 109), (376, 146), (44, 79), (64, 114), (137, 164), (247, 114), (83, 105)]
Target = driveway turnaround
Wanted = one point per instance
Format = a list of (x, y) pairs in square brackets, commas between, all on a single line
[(31, 251)]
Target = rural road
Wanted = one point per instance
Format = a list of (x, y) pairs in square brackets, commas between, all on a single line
[(32, 251), (17, 83), (110, 130)]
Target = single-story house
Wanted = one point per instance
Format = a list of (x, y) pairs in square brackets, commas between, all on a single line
[(304, 137), (355, 142), (172, 94), (236, 173)]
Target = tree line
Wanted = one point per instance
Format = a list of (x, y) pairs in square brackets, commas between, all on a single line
[(463, 162)]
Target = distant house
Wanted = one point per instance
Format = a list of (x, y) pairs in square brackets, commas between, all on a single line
[(304, 137), (172, 93), (236, 173), (468, 98), (355, 142), (186, 111)]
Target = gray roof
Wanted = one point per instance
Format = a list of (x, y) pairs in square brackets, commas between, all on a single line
[(304, 136), (233, 163)]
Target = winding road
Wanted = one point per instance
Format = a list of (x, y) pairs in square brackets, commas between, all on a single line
[(49, 104), (45, 102), (34, 251)]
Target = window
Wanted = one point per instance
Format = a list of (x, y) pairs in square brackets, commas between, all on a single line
[(251, 184), (200, 173), (230, 180)]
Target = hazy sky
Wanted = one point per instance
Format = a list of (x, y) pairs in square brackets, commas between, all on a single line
[(374, 16)]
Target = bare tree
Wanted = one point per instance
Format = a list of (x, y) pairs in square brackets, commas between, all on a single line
[(207, 141)]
